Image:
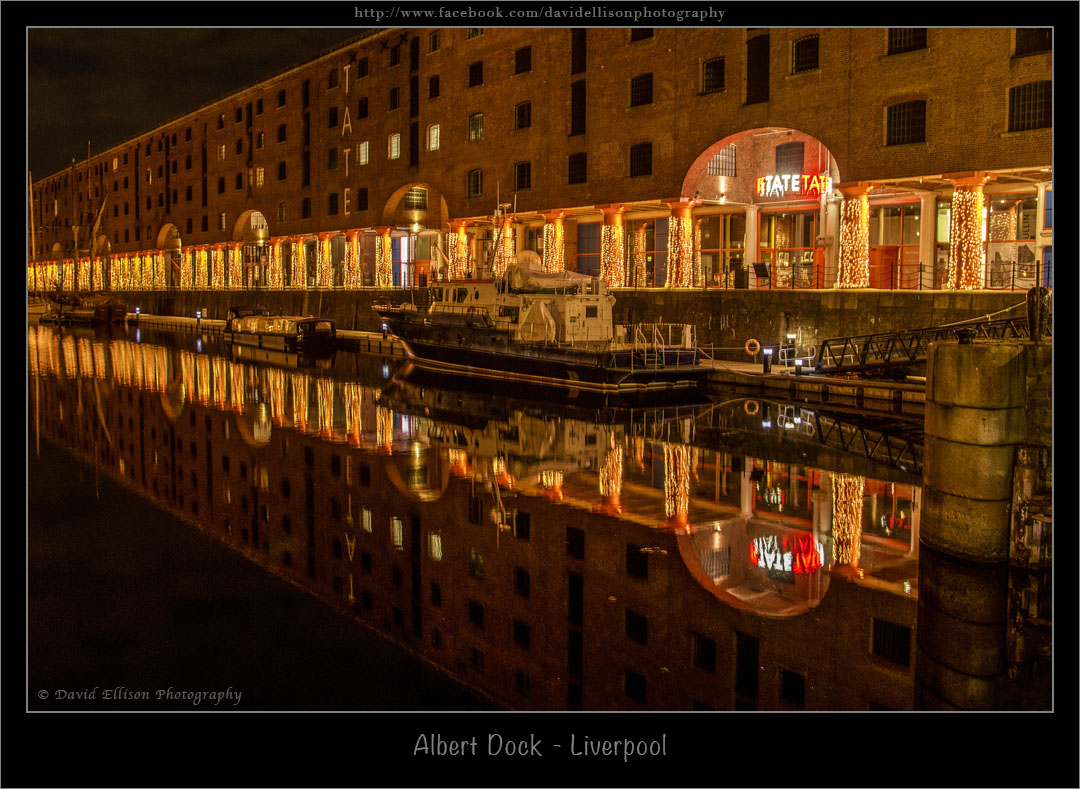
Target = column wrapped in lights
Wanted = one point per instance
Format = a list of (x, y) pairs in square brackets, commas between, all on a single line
[(217, 267), (504, 254), (277, 396), (458, 249), (697, 254), (638, 269), (236, 387), (611, 477), (83, 277), (273, 274), (236, 267), (69, 275), (676, 482), (384, 258), (298, 275), (554, 259), (352, 275), (680, 262), (220, 382), (300, 400), (384, 430), (612, 254), (967, 260), (187, 375), (353, 395), (324, 392), (847, 498), (854, 259), (324, 269), (202, 377)]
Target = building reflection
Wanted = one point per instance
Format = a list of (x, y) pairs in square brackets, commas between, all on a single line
[(646, 558)]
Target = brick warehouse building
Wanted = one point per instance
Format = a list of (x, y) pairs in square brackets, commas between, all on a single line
[(850, 157)]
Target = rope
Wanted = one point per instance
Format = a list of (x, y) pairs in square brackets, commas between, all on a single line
[(984, 317)]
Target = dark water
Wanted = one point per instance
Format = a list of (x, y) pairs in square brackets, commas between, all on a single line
[(348, 534)]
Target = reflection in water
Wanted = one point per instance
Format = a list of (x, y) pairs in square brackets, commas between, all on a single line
[(572, 557)]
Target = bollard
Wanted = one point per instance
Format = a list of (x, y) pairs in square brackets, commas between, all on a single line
[(766, 360)]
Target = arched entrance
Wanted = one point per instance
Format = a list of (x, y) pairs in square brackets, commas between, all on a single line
[(253, 232), (765, 207), (171, 244), (415, 209)]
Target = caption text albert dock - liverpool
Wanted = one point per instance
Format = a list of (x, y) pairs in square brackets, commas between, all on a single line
[(498, 745)]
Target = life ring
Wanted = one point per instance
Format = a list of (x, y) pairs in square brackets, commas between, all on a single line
[(747, 407), (752, 346)]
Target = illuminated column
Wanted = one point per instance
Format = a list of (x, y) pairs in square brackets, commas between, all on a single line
[(680, 262), (611, 477), (353, 278), (384, 430), (297, 272), (966, 232), (353, 395), (236, 387), (698, 274), (323, 269), (847, 505), (273, 274), (300, 400), (324, 392), (677, 484), (854, 268), (277, 396), (612, 257), (554, 260), (236, 266), (384, 258), (217, 266), (458, 248), (505, 253), (639, 272)]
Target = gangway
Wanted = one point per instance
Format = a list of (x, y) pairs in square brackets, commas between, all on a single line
[(898, 348)]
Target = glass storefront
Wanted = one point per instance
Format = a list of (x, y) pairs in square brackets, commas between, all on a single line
[(787, 245), (894, 246), (723, 239)]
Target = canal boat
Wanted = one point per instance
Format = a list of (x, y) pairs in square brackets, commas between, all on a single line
[(545, 329), (84, 310), (255, 326)]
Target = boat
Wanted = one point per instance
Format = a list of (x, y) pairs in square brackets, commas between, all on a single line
[(545, 329), (255, 326), (84, 310)]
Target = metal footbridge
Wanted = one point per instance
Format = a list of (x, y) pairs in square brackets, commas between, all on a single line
[(897, 348)]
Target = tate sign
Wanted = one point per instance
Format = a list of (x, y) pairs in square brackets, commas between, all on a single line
[(793, 184)]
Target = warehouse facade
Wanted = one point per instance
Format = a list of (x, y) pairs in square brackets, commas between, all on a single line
[(893, 158)]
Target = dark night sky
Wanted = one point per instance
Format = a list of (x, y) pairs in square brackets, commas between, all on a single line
[(108, 85)]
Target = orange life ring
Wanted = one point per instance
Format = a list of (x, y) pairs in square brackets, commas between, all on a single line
[(752, 346), (747, 407)]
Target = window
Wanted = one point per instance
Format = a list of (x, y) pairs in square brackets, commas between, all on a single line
[(332, 79), (723, 163), (476, 563), (397, 532), (522, 634), (395, 98), (395, 54), (476, 74), (746, 667), (239, 180), (332, 204), (634, 684), (476, 613), (1030, 40), (362, 67), (305, 208), (259, 107), (260, 140), (523, 60), (523, 115), (281, 133), (221, 221), (522, 176), (577, 49), (433, 137), (332, 159), (221, 186), (332, 116), (435, 546), (704, 650), (905, 123), (577, 165), (641, 159), (475, 32), (416, 199), (362, 153), (712, 75), (522, 682), (281, 98), (433, 87), (757, 70), (260, 177), (577, 108), (906, 39), (361, 199), (361, 108), (892, 642), (637, 561), (220, 123), (1030, 106), (394, 146), (637, 627), (522, 528), (476, 126), (220, 153), (433, 41), (521, 581), (281, 212), (640, 33), (475, 185), (793, 688), (436, 594), (281, 171), (641, 90), (789, 157), (804, 54), (575, 542)]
